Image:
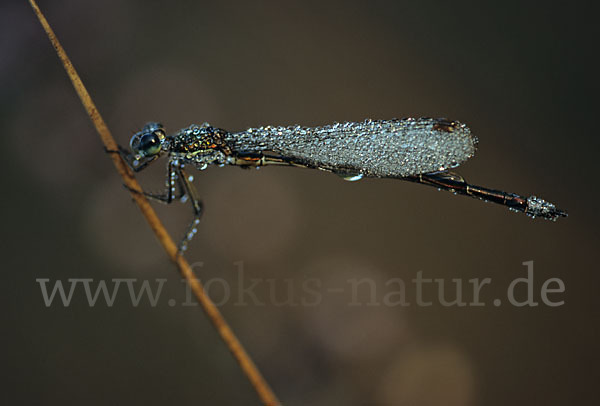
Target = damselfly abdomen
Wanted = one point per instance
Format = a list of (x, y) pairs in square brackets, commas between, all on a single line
[(418, 150)]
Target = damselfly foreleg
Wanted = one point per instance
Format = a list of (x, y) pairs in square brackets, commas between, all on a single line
[(134, 164), (170, 194)]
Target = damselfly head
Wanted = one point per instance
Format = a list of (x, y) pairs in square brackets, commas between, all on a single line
[(148, 142)]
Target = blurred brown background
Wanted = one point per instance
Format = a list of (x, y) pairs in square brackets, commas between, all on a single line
[(519, 74)]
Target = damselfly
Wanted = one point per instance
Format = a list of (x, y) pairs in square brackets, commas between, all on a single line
[(419, 150)]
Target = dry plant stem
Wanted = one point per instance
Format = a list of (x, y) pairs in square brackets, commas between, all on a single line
[(234, 345)]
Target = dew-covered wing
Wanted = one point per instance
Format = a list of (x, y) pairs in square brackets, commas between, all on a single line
[(376, 148)]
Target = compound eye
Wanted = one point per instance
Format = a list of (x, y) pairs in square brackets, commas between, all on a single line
[(149, 144)]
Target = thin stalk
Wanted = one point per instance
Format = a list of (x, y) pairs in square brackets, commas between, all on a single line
[(231, 341)]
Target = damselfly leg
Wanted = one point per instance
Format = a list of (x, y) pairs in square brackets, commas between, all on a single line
[(178, 187), (196, 206)]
